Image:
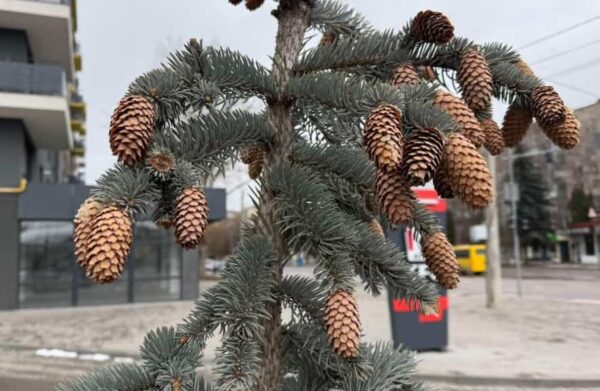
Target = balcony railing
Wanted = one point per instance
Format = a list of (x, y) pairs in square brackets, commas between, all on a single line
[(38, 79)]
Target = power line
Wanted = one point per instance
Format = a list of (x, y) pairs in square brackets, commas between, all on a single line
[(560, 32), (585, 45), (595, 61), (574, 88)]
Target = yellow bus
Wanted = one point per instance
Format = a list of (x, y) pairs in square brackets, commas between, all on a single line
[(471, 257)]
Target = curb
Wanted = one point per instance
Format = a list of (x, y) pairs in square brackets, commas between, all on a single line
[(466, 380)]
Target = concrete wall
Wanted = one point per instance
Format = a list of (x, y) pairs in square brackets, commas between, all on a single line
[(13, 152), (9, 251)]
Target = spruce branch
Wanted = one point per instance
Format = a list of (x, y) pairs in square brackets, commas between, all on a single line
[(121, 377), (371, 49), (335, 17), (308, 217), (304, 296), (128, 187), (238, 363)]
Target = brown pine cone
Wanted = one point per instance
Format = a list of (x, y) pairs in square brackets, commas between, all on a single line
[(191, 217), (394, 196), (382, 136), (427, 72), (405, 74), (254, 157), (441, 183), (524, 67), (108, 244), (475, 79), (548, 108), (376, 227), (517, 121), (327, 39), (422, 155), (342, 321), (494, 141), (131, 128), (235, 2), (468, 173), (441, 259), (88, 209), (254, 4), (431, 26), (567, 134), (463, 116)]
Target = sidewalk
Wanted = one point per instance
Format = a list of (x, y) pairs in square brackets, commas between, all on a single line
[(549, 339)]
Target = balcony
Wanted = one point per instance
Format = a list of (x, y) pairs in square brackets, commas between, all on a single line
[(49, 27), (36, 93)]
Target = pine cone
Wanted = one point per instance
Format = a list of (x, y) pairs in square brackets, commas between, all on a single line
[(108, 244), (254, 157), (86, 212), (342, 321), (254, 4), (475, 79), (547, 106), (524, 67), (382, 136), (517, 121), (431, 26), (441, 183), (422, 155), (468, 173), (376, 227), (494, 141), (394, 197), (131, 128), (427, 72), (463, 116), (235, 2), (441, 259), (327, 39), (191, 217), (567, 134), (405, 74)]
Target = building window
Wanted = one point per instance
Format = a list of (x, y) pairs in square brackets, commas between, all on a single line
[(49, 275)]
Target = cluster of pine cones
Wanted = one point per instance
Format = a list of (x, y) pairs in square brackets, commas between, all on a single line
[(103, 233)]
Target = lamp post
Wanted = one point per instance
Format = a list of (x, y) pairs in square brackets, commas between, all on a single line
[(513, 195)]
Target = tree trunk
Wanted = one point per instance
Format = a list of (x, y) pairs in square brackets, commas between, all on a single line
[(493, 275), (293, 20)]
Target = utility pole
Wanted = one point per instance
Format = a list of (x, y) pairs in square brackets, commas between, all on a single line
[(493, 276)]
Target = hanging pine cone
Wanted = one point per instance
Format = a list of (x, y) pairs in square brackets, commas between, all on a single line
[(382, 136), (108, 244), (422, 155), (524, 67), (394, 197), (441, 183), (254, 4), (441, 259), (475, 79), (468, 173), (548, 108), (463, 116), (235, 2), (131, 128), (327, 39), (342, 321), (405, 74), (494, 141), (191, 217), (427, 72), (376, 227), (254, 157), (567, 134), (86, 212), (431, 26), (517, 121)]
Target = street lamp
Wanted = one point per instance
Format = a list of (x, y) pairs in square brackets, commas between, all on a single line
[(513, 194)]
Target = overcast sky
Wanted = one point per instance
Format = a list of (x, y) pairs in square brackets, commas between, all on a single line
[(122, 39)]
